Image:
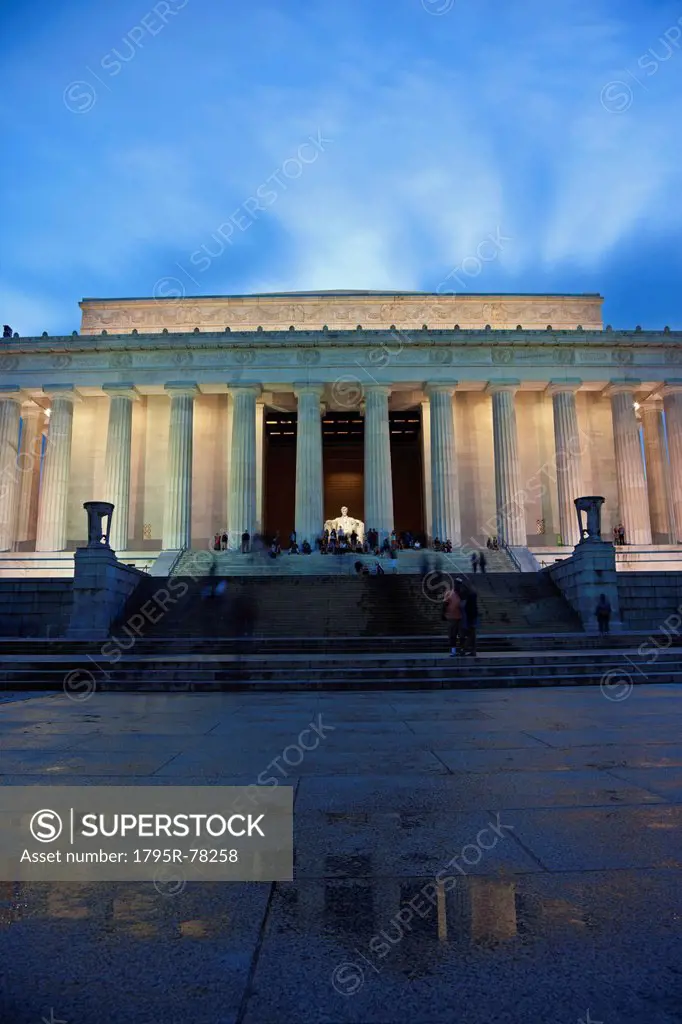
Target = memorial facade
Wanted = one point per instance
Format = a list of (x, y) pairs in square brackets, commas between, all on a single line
[(459, 416)]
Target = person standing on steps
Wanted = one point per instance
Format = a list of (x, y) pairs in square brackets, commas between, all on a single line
[(603, 613), (246, 538), (474, 563), (452, 614), (482, 561)]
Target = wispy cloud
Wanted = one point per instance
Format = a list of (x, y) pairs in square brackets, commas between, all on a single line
[(444, 130)]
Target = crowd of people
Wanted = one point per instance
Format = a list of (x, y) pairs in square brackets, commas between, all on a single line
[(334, 542), (330, 542)]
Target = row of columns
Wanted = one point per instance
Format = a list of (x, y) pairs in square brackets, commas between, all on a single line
[(643, 495)]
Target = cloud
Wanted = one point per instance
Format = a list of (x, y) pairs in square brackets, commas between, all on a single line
[(443, 131)]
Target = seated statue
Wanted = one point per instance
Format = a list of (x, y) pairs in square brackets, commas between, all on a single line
[(346, 524)]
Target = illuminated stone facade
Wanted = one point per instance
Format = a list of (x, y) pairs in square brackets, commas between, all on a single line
[(522, 403)]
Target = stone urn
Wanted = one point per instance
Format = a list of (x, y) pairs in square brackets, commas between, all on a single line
[(98, 537), (589, 507)]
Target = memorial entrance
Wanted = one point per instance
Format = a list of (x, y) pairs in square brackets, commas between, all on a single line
[(343, 460)]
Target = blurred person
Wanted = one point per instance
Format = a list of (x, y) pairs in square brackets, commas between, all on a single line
[(452, 614)]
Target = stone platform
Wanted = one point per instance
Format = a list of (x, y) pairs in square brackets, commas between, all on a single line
[(629, 557), (233, 563), (568, 912)]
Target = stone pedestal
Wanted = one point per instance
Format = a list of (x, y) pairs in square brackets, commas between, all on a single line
[(117, 460), (101, 587), (446, 523), (309, 478), (568, 448), (10, 407), (511, 518), (378, 480), (242, 494), (54, 487), (589, 572), (177, 519), (632, 489)]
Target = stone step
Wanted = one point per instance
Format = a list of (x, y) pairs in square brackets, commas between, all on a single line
[(619, 670), (180, 645)]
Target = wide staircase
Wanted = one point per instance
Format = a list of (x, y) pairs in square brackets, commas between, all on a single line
[(333, 633), (359, 608), (233, 563)]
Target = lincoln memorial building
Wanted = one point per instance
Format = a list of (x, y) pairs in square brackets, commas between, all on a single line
[(455, 416)]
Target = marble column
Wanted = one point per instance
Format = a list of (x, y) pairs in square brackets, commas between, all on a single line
[(672, 406), (28, 463), (633, 498), (228, 461), (309, 479), (51, 533), (260, 467), (446, 523), (10, 412), (177, 518), (242, 497), (117, 460), (427, 479), (510, 497), (656, 460), (568, 448), (378, 480)]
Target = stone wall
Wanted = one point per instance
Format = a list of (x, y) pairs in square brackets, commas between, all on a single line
[(582, 578), (651, 600), (35, 608)]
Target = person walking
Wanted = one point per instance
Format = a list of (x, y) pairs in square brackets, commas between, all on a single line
[(224, 541), (621, 534), (246, 539), (452, 614), (603, 613), (474, 563), (482, 562)]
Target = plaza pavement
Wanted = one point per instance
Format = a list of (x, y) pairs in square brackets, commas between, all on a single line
[(558, 811)]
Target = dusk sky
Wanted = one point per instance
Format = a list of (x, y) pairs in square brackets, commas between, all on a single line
[(205, 147)]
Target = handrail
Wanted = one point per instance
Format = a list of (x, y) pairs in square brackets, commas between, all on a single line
[(174, 564), (505, 547)]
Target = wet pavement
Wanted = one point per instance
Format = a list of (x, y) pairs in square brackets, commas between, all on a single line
[(493, 856)]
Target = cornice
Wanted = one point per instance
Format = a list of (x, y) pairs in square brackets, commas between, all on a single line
[(198, 340)]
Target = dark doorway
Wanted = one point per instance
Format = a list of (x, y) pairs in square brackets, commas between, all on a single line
[(406, 471), (279, 473), (343, 463)]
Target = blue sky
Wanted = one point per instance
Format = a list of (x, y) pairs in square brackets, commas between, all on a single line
[(211, 147)]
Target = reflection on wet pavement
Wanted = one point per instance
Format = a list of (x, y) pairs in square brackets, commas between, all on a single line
[(523, 880)]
